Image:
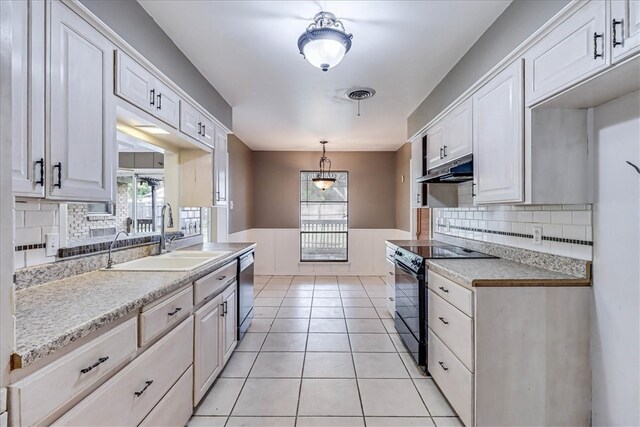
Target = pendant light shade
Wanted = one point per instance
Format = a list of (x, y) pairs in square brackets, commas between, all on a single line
[(325, 42), (324, 179)]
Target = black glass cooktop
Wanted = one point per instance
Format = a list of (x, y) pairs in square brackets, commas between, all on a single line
[(449, 251)]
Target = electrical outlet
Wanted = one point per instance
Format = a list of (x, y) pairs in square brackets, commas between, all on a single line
[(52, 243), (537, 234), (231, 204)]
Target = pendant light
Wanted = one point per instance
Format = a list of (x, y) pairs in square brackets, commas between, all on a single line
[(324, 178), (325, 41)]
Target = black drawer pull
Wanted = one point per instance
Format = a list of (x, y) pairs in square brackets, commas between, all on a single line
[(225, 307), (174, 312), (95, 365), (146, 386), (152, 94), (443, 321), (222, 277), (159, 107), (59, 167), (442, 366), (41, 163), (443, 289)]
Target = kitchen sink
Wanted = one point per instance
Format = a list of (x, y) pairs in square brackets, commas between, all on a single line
[(173, 261)]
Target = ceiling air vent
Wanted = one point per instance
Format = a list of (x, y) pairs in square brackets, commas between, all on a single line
[(360, 94)]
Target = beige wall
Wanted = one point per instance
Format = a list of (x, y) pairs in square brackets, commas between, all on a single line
[(403, 189), (240, 185), (372, 186)]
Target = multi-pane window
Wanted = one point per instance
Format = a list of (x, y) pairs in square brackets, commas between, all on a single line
[(324, 219)]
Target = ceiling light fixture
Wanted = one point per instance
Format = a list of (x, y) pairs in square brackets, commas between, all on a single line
[(324, 178), (325, 41)]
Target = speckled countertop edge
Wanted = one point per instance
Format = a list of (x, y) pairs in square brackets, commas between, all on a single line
[(474, 273), (33, 342)]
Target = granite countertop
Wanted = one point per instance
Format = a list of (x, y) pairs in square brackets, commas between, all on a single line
[(500, 272), (55, 314)]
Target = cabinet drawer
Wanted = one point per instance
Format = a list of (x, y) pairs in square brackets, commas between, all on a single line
[(175, 407), (390, 252), (127, 398), (453, 327), (33, 397), (160, 317), (214, 282), (456, 295), (455, 381)]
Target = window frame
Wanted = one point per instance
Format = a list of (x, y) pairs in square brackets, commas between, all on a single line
[(300, 232)]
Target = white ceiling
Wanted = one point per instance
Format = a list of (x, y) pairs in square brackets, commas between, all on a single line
[(247, 50)]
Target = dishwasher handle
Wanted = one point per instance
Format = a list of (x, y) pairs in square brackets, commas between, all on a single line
[(246, 261)]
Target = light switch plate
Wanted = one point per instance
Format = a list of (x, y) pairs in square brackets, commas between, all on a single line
[(537, 234), (52, 244)]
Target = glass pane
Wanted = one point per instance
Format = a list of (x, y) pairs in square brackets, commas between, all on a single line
[(323, 246), (150, 197), (323, 216), (337, 192)]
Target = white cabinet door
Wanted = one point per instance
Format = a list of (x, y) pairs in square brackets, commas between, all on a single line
[(207, 362), (81, 109), (134, 83), (625, 28), (575, 50), (221, 168), (498, 138), (458, 132), (208, 131), (230, 322), (189, 120), (435, 146), (27, 97), (167, 106)]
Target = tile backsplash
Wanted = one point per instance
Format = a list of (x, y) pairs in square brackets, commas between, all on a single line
[(566, 229), (33, 221)]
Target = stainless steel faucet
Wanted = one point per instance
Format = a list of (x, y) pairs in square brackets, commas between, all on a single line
[(110, 261), (163, 240)]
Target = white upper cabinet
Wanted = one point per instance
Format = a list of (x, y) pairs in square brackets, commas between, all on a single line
[(576, 49), (137, 85), (416, 172), (435, 146), (452, 137), (221, 166), (458, 132), (190, 123), (167, 105), (196, 124), (625, 28), (81, 163), (498, 114), (27, 80)]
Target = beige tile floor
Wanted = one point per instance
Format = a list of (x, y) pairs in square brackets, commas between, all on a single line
[(322, 351)]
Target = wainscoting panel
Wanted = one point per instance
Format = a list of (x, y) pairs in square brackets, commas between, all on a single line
[(278, 252)]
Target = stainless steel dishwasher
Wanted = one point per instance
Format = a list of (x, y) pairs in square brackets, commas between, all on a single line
[(245, 293)]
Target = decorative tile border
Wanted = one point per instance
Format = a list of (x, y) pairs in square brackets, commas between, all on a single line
[(21, 248), (103, 246), (442, 227)]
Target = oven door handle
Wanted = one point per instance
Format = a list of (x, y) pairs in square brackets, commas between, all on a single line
[(407, 270)]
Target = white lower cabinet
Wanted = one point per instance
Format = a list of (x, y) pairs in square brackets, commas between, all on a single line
[(127, 398), (391, 287), (31, 398), (207, 349), (506, 354), (175, 408), (230, 322), (215, 339)]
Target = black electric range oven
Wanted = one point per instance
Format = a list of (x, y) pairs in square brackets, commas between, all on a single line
[(411, 318)]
